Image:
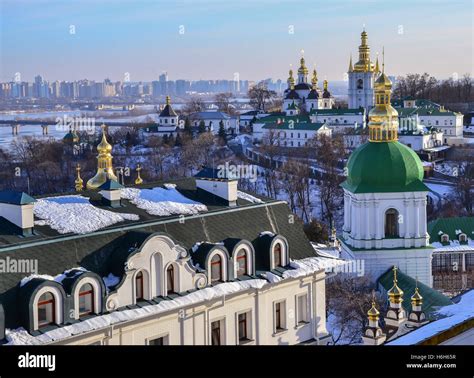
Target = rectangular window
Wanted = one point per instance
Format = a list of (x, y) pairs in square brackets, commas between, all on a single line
[(216, 333), (279, 316), (159, 341), (85, 303), (302, 309), (243, 327)]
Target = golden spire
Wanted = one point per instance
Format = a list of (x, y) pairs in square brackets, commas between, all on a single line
[(104, 163), (383, 118), (416, 298), (373, 313), (314, 79), (364, 64), (325, 85), (351, 69), (395, 294), (168, 100), (78, 182), (138, 180), (377, 68)]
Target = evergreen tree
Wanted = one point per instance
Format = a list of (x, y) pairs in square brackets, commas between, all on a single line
[(178, 142), (187, 127), (202, 127), (171, 140), (222, 134), (166, 139)]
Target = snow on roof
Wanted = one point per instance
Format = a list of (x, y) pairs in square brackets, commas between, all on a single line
[(75, 213), (248, 197), (162, 201), (269, 233), (452, 315), (303, 267), (111, 280), (59, 278)]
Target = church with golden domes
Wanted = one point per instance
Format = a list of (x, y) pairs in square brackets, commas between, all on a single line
[(302, 95)]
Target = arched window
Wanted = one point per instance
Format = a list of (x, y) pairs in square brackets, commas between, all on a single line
[(139, 286), (86, 300), (216, 268), (391, 223), (360, 84), (463, 238), (277, 258), (46, 309), (241, 263), (170, 280)]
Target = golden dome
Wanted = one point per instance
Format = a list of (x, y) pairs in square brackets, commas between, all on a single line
[(373, 313), (105, 169), (303, 69), (104, 146), (364, 64), (383, 82), (416, 299), (395, 294), (314, 79)]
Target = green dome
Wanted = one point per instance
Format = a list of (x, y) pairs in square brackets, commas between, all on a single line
[(71, 137), (382, 167)]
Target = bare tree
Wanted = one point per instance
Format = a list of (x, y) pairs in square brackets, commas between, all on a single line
[(260, 96), (193, 104), (223, 102), (348, 298)]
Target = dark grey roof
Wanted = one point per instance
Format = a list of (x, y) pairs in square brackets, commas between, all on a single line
[(214, 173), (111, 185), (313, 95), (209, 115), (105, 251), (326, 94), (15, 198), (168, 112), (292, 95), (302, 86)]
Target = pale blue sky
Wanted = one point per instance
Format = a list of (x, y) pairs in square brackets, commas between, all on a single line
[(250, 37)]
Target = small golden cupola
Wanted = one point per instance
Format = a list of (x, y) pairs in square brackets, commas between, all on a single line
[(417, 317), (302, 71), (105, 169), (314, 80), (395, 294), (373, 314), (78, 183), (383, 118), (373, 334), (291, 79)]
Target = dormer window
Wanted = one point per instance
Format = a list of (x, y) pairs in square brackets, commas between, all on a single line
[(444, 238), (46, 309), (216, 268), (86, 300), (170, 280), (463, 238), (139, 286), (242, 263), (277, 255)]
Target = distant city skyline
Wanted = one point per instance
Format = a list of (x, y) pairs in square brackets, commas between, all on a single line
[(216, 40)]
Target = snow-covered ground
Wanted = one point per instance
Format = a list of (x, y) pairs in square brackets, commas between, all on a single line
[(75, 213), (442, 190), (162, 201)]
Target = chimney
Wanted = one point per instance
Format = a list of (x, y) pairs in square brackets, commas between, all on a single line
[(17, 209), (110, 192), (221, 183)]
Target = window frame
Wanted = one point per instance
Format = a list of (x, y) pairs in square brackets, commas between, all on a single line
[(139, 277), (221, 268), (52, 302), (299, 320), (91, 294), (280, 323)]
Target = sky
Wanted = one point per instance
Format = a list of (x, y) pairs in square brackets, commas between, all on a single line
[(225, 39)]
